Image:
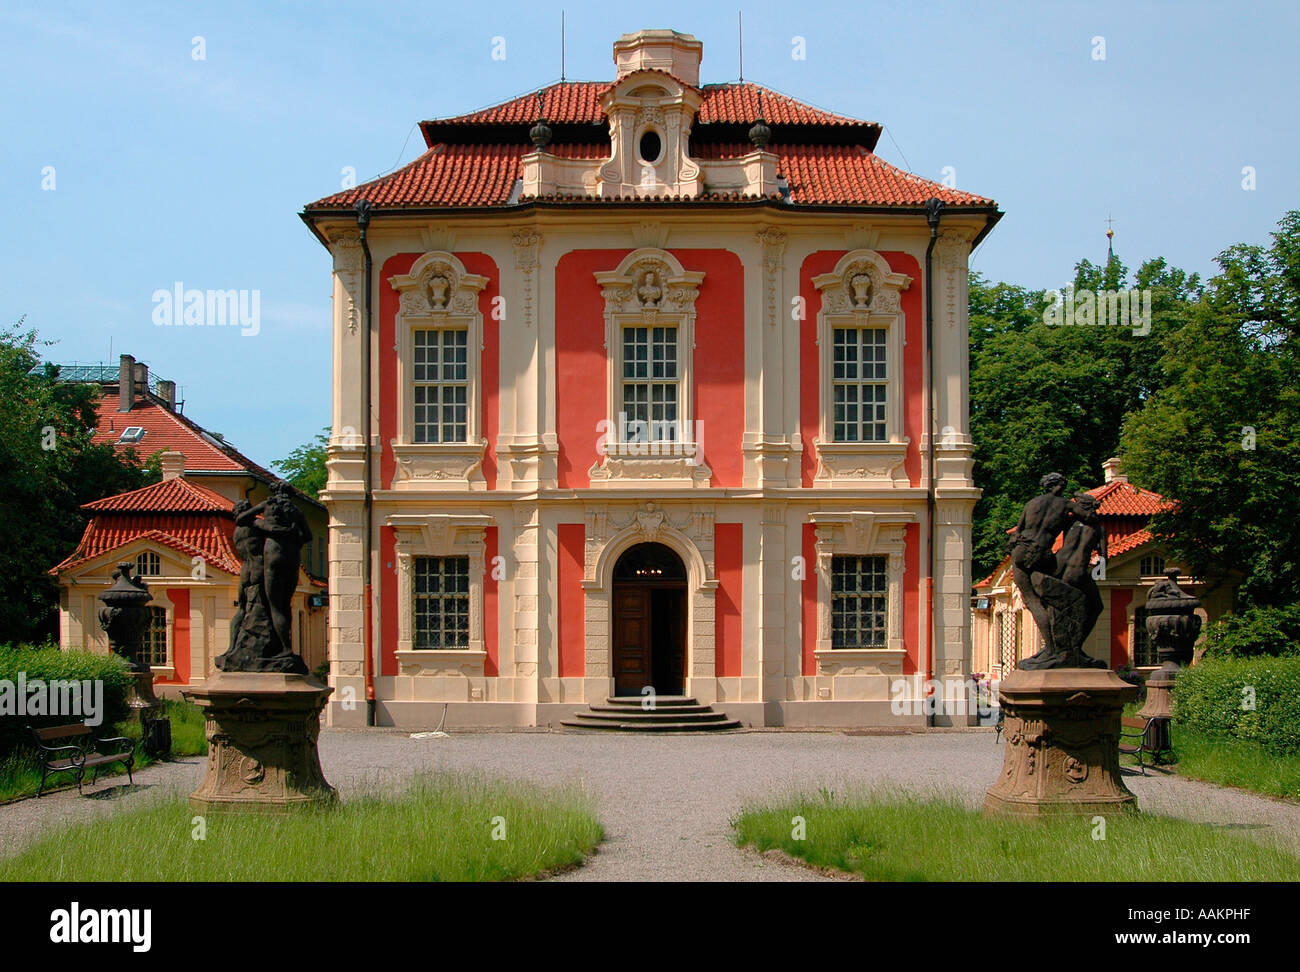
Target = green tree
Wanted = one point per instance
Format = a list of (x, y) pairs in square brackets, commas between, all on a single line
[(48, 469), (305, 466), (1049, 398), (1223, 434)]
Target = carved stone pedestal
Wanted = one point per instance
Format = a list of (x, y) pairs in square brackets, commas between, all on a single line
[(1062, 737), (262, 729), (155, 728)]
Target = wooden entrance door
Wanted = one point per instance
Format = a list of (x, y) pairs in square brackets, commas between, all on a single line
[(649, 622)]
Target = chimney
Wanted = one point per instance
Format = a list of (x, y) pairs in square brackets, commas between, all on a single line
[(659, 50), (142, 380), (167, 392), (1111, 469), (125, 383), (173, 465)]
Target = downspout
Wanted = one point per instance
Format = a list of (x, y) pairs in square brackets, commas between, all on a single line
[(363, 208), (933, 209)]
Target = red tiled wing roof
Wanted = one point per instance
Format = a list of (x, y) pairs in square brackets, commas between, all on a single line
[(169, 496), (1120, 498), (569, 102), (578, 103), (739, 104), (446, 175), (194, 535), (1123, 537), (485, 175), (847, 174)]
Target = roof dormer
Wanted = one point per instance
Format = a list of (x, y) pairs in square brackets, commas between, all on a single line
[(650, 110)]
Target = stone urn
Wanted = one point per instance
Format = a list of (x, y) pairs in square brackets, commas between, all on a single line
[(1173, 627), (125, 614), (125, 618)]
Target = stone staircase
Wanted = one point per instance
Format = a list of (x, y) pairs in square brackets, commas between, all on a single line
[(671, 713)]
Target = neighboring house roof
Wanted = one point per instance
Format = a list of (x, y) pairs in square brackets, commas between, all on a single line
[(475, 159), (169, 496), (206, 535), (1125, 511), (165, 430)]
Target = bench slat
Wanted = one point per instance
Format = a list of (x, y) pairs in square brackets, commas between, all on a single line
[(62, 732)]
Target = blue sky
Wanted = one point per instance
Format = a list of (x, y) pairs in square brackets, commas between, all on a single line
[(167, 168)]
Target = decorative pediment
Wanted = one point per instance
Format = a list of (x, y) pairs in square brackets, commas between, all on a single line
[(650, 281), (861, 283), (437, 285)]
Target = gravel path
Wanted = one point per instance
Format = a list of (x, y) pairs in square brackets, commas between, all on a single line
[(666, 802)]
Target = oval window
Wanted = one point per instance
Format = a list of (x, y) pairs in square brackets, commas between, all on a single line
[(650, 146)]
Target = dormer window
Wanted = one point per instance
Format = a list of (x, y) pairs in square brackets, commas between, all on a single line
[(133, 433)]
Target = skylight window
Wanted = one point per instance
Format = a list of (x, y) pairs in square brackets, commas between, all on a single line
[(132, 433)]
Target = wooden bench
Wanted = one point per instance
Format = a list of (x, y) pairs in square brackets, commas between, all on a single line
[(1148, 737), (84, 751)]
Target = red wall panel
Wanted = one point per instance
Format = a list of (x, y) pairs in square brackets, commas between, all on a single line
[(180, 598), (823, 261), (809, 605), (570, 629), (491, 620), (490, 364), (1120, 599), (719, 376), (728, 565)]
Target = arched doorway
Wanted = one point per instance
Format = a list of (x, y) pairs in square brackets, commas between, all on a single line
[(649, 613)]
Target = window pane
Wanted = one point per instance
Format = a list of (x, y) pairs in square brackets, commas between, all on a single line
[(441, 609), (859, 371), (859, 602), (440, 394)]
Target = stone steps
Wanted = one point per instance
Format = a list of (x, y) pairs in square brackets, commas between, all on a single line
[(671, 713)]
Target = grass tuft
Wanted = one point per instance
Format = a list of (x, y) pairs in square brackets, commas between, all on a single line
[(1236, 762), (885, 835), (440, 828)]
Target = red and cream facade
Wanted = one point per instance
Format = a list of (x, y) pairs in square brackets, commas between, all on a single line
[(574, 277)]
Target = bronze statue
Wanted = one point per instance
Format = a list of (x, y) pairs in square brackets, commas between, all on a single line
[(269, 538), (1058, 588)]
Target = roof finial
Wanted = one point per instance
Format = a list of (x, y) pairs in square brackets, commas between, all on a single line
[(1110, 239), (540, 133), (740, 42)]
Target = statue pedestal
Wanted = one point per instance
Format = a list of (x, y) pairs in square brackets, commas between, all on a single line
[(155, 728), (1062, 734), (262, 729)]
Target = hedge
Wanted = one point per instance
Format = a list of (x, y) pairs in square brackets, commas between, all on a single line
[(1257, 631), (1243, 698), (49, 663)]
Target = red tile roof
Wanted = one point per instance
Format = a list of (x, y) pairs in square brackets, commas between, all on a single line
[(169, 496), (165, 430), (475, 159), (578, 103), (1122, 498), (485, 175), (192, 534)]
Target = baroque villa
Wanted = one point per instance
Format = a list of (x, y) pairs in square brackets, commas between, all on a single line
[(648, 384)]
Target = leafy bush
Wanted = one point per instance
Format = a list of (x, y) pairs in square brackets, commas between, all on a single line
[(49, 663), (1243, 698), (1257, 631)]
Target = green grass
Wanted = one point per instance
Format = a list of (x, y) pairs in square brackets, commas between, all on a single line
[(438, 829), (20, 771), (894, 836), (1236, 762)]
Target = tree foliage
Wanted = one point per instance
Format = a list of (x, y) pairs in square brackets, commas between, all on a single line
[(305, 466), (1050, 398), (1222, 436), (48, 469)]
